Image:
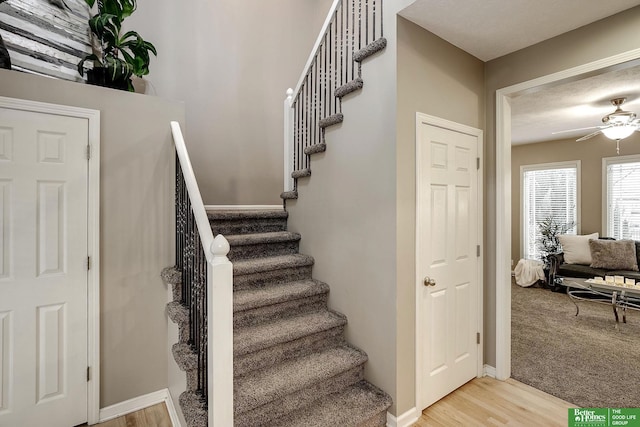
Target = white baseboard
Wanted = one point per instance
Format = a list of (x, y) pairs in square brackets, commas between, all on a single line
[(489, 371), (404, 420), (244, 207), (141, 402)]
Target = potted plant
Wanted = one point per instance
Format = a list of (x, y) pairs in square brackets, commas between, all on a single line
[(118, 56), (549, 244)]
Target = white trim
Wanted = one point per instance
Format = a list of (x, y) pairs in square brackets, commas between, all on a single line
[(606, 161), (93, 235), (139, 403), (577, 164), (489, 371), (404, 420), (243, 207), (479, 135), (503, 196), (171, 409)]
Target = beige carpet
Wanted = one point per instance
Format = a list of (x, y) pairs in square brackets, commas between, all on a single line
[(582, 359)]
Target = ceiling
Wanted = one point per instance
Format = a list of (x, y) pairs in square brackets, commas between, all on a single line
[(488, 29)]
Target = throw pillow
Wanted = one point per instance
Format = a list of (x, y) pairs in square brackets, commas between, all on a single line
[(576, 248), (614, 254)]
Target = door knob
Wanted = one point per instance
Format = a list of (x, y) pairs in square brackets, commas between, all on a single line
[(429, 281)]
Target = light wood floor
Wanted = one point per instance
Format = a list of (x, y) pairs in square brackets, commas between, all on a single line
[(481, 402), (489, 402), (153, 416)]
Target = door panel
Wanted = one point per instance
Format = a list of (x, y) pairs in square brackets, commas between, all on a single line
[(447, 201), (43, 273)]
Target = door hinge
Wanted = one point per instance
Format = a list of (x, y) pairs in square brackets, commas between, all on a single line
[(88, 374), (478, 163), (88, 263), (478, 251), (477, 337), (88, 152)]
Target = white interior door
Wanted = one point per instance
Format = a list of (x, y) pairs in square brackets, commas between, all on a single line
[(43, 269), (448, 294)]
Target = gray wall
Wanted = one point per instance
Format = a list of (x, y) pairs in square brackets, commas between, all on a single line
[(136, 226), (590, 153), (231, 62), (346, 215), (611, 36), (436, 78)]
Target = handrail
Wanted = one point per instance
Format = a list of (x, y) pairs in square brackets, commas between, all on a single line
[(207, 292), (352, 31), (316, 46), (199, 212)]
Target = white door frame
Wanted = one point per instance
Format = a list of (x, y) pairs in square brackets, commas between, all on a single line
[(503, 195), (479, 134), (93, 237)]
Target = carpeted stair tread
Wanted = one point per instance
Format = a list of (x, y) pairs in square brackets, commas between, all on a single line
[(301, 173), (178, 313), (259, 297), (289, 195), (254, 338), (185, 357), (332, 120), (370, 49), (193, 409), (347, 88), (260, 265), (351, 407), (315, 148), (284, 379), (214, 214), (260, 238)]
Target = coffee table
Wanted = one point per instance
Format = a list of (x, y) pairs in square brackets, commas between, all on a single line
[(617, 296)]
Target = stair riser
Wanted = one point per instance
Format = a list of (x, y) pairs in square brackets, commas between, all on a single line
[(279, 353), (263, 415), (280, 311), (265, 278), (378, 420), (260, 250), (248, 226)]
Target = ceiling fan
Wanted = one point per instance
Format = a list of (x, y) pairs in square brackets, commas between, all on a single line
[(618, 125)]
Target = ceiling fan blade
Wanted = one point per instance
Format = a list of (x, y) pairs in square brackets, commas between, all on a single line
[(574, 130), (591, 135)]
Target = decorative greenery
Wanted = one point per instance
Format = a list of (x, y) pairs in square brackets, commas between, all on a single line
[(550, 228), (122, 55)]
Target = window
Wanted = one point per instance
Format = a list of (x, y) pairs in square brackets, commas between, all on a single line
[(622, 197), (548, 191)]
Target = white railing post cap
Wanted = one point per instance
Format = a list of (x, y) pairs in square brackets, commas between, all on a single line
[(220, 246), (289, 93)]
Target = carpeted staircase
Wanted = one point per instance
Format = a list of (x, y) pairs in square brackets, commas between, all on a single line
[(292, 365), (335, 119)]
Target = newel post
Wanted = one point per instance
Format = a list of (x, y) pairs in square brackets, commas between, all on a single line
[(220, 335), (288, 140)]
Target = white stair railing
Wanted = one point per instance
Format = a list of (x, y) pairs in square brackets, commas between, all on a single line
[(332, 67), (207, 290)]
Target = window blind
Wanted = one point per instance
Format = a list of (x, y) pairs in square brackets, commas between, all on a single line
[(547, 193), (623, 200)]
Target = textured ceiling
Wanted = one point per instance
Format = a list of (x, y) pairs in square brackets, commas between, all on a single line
[(578, 104), (489, 29)]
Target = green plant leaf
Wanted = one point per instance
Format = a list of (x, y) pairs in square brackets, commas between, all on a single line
[(91, 57), (90, 2)]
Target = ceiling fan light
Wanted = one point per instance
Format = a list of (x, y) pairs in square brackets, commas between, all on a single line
[(618, 132)]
